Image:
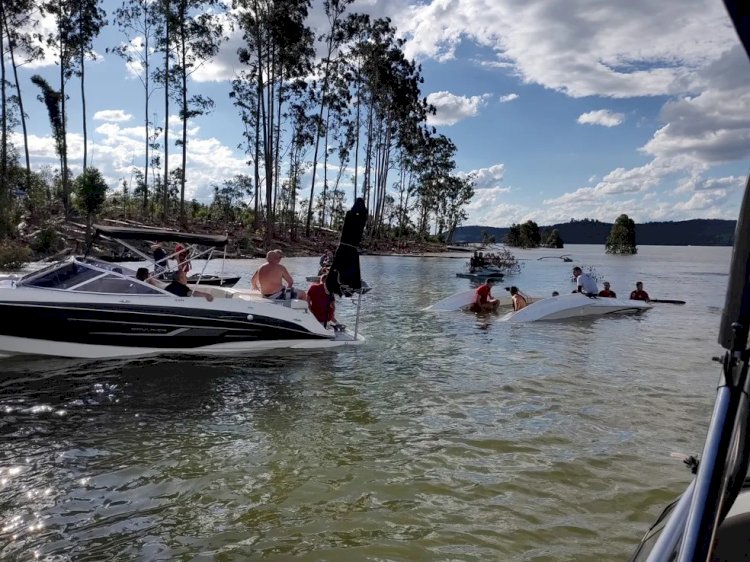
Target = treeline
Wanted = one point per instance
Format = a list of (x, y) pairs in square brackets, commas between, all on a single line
[(694, 232), (359, 107)]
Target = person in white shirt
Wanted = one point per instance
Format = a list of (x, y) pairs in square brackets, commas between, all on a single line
[(584, 283)]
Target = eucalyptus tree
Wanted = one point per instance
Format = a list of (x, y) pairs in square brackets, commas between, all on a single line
[(91, 192), (63, 40), (334, 38), (52, 99), (87, 21), (621, 239), (277, 50), (138, 21), (18, 23), (435, 162), (196, 35), (457, 194)]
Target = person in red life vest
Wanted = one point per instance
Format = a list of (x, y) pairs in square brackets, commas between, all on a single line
[(519, 301), (182, 257), (639, 294), (321, 303), (607, 292), (483, 300)]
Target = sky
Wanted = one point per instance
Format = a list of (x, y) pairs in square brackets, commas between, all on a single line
[(561, 109)]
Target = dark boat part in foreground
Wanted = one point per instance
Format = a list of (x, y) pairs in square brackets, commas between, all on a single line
[(696, 526)]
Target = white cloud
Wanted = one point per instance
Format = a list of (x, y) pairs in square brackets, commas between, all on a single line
[(115, 115), (509, 97), (491, 177), (452, 108), (603, 117), (580, 47)]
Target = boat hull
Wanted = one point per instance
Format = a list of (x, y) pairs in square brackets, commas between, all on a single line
[(67, 324), (577, 305)]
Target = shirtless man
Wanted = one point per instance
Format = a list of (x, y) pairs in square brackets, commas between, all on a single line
[(270, 277)]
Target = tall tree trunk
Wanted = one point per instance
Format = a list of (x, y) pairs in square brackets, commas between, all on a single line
[(4, 185), (146, 127), (165, 197), (82, 56), (356, 141), (20, 104), (257, 157), (183, 54), (64, 140), (325, 168)]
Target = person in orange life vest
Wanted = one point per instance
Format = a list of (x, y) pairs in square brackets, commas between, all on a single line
[(321, 303), (483, 300), (518, 299), (639, 294), (607, 292), (182, 258)]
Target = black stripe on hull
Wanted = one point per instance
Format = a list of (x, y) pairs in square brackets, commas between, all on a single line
[(141, 326)]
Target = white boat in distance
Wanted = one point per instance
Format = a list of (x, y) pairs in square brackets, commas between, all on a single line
[(575, 305)]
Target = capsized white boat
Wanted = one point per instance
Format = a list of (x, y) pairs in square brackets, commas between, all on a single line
[(575, 305), (464, 299)]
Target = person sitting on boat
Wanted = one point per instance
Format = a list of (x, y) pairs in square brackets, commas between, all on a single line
[(584, 283), (519, 301), (182, 254), (321, 303), (639, 294), (179, 287), (326, 260), (483, 300), (270, 277), (142, 275), (607, 292), (160, 258)]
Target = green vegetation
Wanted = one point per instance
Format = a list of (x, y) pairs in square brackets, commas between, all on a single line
[(359, 107), (524, 235), (621, 238), (553, 240), (91, 191), (13, 255)]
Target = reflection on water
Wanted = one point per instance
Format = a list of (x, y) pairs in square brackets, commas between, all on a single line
[(447, 436)]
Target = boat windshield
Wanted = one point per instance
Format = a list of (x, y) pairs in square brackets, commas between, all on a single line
[(63, 277), (77, 276)]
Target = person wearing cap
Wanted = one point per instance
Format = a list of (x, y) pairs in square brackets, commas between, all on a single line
[(519, 301), (639, 294), (584, 283), (607, 292), (483, 300)]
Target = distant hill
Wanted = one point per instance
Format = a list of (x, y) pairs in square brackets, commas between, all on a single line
[(696, 232)]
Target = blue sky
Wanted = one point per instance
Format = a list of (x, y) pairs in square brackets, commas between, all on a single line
[(561, 108)]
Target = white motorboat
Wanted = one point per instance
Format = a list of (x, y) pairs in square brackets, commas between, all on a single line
[(87, 308), (482, 273), (575, 305)]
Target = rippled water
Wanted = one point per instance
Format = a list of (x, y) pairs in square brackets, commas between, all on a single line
[(444, 437)]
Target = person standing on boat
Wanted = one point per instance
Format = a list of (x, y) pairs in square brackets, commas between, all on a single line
[(270, 277), (607, 292), (639, 294), (181, 253), (483, 300), (179, 287), (321, 303), (160, 258), (519, 301), (584, 283)]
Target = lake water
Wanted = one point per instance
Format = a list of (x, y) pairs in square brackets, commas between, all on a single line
[(444, 437)]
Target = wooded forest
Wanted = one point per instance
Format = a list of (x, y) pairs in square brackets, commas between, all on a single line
[(354, 116)]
